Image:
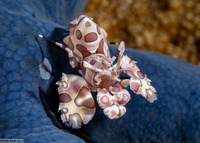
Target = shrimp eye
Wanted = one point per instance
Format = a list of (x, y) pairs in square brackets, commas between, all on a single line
[(132, 64), (64, 84)]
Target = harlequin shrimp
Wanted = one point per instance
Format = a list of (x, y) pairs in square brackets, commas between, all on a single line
[(88, 52)]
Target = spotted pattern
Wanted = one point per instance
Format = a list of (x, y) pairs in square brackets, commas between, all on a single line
[(122, 111), (125, 97), (83, 50), (84, 42), (80, 102), (91, 46), (104, 99), (78, 34), (136, 82), (64, 98), (140, 74), (76, 100), (116, 88), (87, 24), (90, 37), (75, 119), (187, 95), (100, 49)]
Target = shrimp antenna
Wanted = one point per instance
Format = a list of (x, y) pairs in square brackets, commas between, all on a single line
[(53, 42)]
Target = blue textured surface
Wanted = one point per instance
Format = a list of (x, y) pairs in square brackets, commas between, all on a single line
[(28, 103), (22, 113)]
